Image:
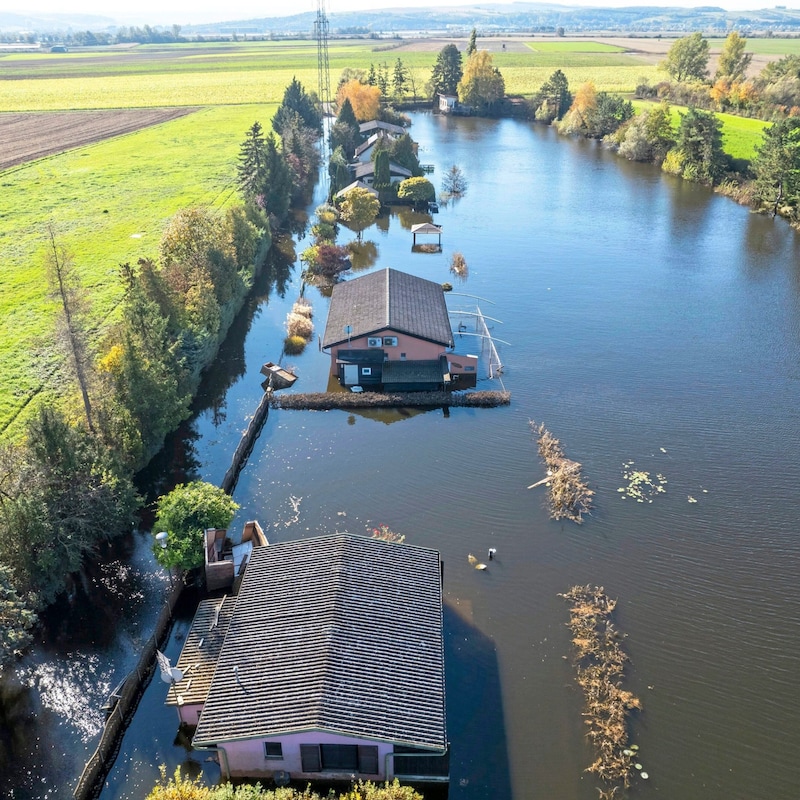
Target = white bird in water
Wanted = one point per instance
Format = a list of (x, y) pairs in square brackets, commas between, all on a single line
[(492, 551)]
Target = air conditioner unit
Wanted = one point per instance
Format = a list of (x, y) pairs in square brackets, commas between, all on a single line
[(374, 341), (390, 341)]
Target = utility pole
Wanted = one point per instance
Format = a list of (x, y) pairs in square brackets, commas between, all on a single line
[(323, 82)]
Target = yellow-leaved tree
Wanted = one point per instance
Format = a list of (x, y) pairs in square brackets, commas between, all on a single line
[(481, 86), (364, 99)]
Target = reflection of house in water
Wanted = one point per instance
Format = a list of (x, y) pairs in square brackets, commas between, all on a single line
[(391, 330), (328, 664)]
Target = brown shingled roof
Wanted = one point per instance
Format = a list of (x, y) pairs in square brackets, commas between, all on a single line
[(388, 300)]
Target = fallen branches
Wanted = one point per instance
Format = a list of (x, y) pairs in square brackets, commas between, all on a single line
[(600, 664), (570, 496)]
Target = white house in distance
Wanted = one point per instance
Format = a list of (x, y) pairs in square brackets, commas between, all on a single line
[(328, 664), (392, 330)]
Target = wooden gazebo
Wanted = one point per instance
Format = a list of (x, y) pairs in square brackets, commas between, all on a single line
[(427, 229)]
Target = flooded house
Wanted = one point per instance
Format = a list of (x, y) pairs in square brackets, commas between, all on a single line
[(391, 330), (327, 665)]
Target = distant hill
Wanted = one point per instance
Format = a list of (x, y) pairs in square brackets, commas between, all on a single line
[(437, 20)]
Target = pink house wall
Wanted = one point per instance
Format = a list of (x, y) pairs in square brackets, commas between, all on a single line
[(459, 364), (414, 349), (247, 759), (190, 713)]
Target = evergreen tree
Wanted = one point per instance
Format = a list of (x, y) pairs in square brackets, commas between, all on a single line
[(297, 100), (447, 71), (382, 170), (472, 46), (252, 167), (399, 78), (277, 187), (777, 169), (699, 141), (553, 98)]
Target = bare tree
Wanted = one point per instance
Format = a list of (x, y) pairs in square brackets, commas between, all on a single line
[(65, 289)]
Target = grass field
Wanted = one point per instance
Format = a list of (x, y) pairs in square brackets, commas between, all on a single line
[(767, 47), (574, 47)]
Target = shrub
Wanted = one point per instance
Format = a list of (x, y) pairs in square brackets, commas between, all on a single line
[(294, 345)]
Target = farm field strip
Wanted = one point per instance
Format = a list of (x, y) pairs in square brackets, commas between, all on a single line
[(587, 46), (26, 137), (109, 203)]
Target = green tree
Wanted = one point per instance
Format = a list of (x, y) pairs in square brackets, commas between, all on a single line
[(399, 78), (16, 619), (699, 142), (64, 492), (481, 86), (345, 132), (359, 209), (383, 175), (418, 190), (777, 169), (733, 61), (553, 99), (447, 71), (185, 513), (338, 171), (252, 167), (687, 59), (649, 135), (403, 151), (297, 101), (472, 45), (277, 187)]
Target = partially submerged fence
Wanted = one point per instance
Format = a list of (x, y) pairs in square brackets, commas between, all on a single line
[(127, 699)]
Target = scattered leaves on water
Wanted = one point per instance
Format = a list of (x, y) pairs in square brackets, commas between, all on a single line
[(641, 485)]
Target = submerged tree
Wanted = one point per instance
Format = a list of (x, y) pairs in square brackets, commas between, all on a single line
[(454, 182), (359, 209)]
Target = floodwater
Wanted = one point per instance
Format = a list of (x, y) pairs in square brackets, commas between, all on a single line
[(647, 321)]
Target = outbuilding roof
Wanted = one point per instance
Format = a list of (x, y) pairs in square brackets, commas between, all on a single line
[(363, 168), (376, 124), (338, 633), (388, 300)]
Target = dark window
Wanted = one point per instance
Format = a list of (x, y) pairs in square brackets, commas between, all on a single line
[(309, 757), (368, 759), (402, 355), (339, 757), (273, 750), (366, 371)]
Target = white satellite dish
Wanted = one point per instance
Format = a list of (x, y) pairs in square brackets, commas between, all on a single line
[(173, 676)]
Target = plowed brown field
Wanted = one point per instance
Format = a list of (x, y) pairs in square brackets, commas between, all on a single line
[(25, 137)]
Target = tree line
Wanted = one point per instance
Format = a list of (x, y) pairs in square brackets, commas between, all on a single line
[(67, 484)]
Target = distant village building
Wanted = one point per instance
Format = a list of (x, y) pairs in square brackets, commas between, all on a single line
[(327, 665), (391, 330)]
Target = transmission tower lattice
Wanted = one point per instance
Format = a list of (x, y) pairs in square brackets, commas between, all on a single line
[(324, 80)]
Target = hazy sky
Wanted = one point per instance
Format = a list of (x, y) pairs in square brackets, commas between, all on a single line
[(184, 12)]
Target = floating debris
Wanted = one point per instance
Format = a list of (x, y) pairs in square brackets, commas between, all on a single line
[(642, 486), (570, 496), (600, 664), (475, 563), (386, 534), (691, 499)]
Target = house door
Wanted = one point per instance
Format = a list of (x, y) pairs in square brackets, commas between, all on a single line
[(350, 374)]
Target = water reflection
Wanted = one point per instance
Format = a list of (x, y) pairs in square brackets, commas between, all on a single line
[(363, 255)]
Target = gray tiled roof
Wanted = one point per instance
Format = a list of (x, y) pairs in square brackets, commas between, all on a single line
[(388, 300), (339, 633), (362, 169), (198, 658), (375, 124)]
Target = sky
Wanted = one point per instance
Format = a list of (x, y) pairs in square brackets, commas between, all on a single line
[(184, 12)]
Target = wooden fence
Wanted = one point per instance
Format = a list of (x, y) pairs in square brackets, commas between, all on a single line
[(97, 767)]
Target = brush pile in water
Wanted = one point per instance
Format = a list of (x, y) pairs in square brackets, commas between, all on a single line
[(322, 401), (600, 663), (570, 497)]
